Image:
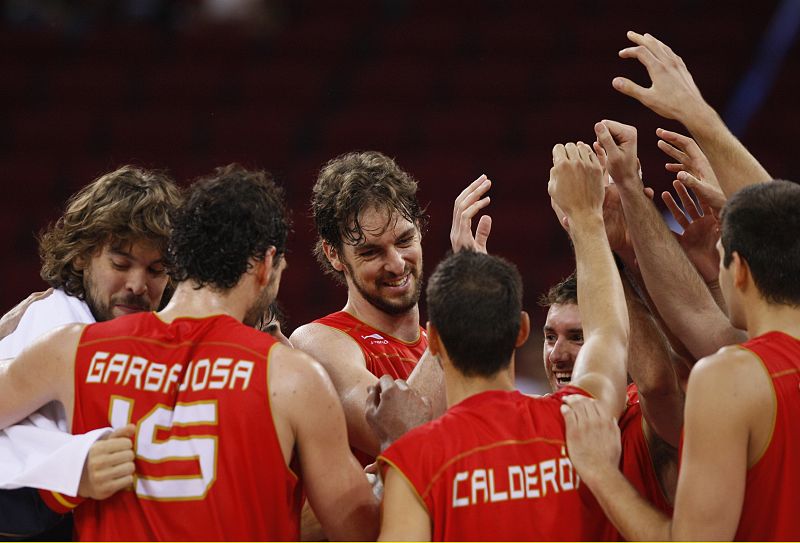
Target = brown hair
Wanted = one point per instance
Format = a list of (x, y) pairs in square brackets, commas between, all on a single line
[(352, 183), (127, 205), (565, 292)]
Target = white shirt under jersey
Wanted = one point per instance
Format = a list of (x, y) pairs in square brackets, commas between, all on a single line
[(39, 452)]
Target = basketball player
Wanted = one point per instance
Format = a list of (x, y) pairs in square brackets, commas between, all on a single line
[(370, 229), (742, 402), (225, 415), (103, 258), (494, 467)]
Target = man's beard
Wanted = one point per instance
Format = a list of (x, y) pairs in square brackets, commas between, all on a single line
[(261, 305), (104, 312), (390, 307)]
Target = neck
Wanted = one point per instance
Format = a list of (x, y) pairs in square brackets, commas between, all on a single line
[(403, 326), (189, 301), (459, 387), (763, 317)]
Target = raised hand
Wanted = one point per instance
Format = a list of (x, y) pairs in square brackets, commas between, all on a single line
[(708, 194), (673, 93), (576, 180), (619, 141), (467, 205), (690, 157), (700, 232)]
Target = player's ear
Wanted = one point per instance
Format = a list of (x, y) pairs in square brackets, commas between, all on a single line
[(524, 329), (333, 256), (434, 341), (263, 268), (740, 269)]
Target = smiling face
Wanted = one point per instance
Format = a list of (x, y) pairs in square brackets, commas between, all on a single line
[(123, 279), (385, 268), (563, 339)]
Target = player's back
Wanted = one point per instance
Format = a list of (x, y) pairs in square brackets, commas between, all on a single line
[(209, 464), (771, 501), (494, 467)]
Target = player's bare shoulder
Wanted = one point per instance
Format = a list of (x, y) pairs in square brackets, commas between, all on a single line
[(296, 376), (327, 345)]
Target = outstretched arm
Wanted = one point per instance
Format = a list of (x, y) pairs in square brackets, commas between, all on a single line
[(677, 290), (674, 95), (576, 186)]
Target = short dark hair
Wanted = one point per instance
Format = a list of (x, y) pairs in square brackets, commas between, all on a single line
[(353, 183), (564, 292), (229, 217), (761, 222), (125, 206), (474, 302)]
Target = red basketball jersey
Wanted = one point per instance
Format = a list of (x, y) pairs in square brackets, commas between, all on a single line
[(495, 467), (209, 464), (384, 354), (636, 462), (771, 509)]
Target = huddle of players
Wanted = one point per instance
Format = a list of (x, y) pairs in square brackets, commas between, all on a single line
[(495, 464)]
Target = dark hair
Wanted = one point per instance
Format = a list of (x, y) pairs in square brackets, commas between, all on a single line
[(127, 205), (564, 292), (474, 301), (762, 223), (229, 217), (352, 183)]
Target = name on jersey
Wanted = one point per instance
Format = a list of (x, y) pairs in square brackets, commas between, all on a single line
[(142, 374), (516, 482)]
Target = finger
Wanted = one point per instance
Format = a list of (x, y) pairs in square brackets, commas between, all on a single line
[(688, 203), (674, 168), (629, 88), (600, 153), (483, 231), (469, 213), (676, 211), (474, 191), (650, 193), (401, 384), (658, 47), (643, 54), (605, 138), (559, 153), (384, 383), (572, 150), (373, 397), (684, 143), (123, 431), (584, 151), (673, 151)]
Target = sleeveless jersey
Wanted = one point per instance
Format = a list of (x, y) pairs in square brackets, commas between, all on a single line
[(384, 354), (209, 464), (636, 462), (771, 500), (495, 467)]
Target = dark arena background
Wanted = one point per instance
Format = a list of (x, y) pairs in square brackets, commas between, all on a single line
[(451, 89)]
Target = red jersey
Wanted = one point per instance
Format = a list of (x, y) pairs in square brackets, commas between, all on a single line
[(495, 467), (636, 462), (771, 500), (384, 354), (209, 464)]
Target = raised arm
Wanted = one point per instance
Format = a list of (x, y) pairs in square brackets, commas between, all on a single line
[(576, 186), (677, 290), (674, 95)]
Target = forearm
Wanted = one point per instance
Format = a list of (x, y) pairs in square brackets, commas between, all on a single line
[(673, 283), (428, 379), (600, 293), (734, 166), (632, 515)]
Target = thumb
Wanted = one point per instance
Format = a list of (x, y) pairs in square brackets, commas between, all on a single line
[(123, 431), (482, 232)]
